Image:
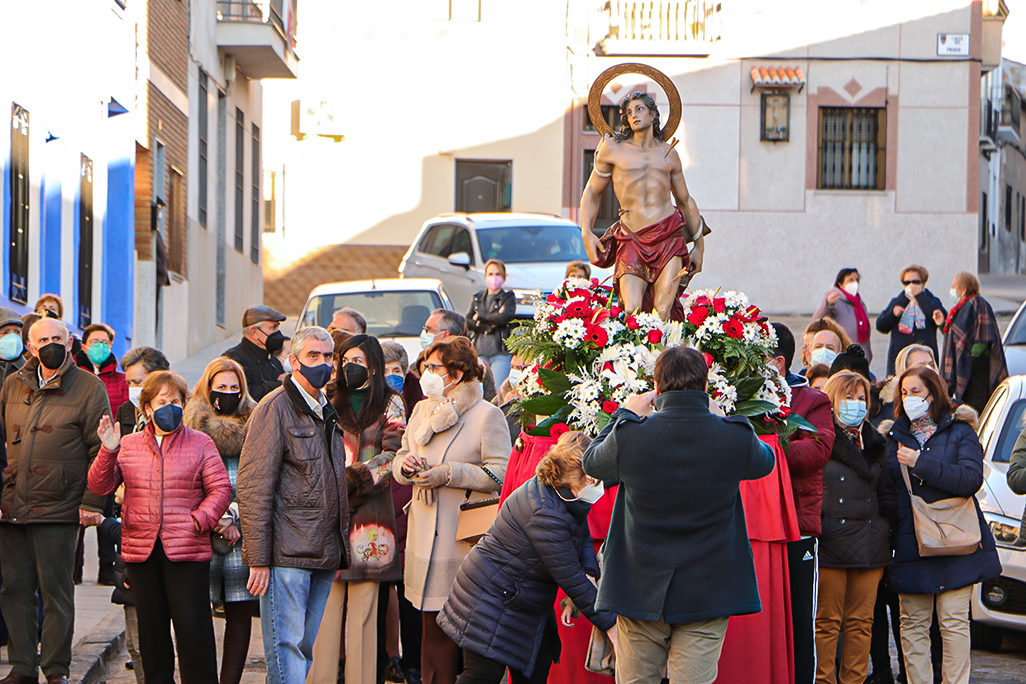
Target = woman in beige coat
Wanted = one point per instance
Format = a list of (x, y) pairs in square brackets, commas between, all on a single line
[(455, 441)]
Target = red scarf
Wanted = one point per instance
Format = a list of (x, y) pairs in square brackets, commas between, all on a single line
[(861, 319), (954, 312)]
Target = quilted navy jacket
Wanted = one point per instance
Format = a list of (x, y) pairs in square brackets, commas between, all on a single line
[(507, 585)]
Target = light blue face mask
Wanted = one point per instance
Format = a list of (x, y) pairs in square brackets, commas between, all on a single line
[(426, 339), (98, 352), (851, 412), (11, 346), (822, 355)]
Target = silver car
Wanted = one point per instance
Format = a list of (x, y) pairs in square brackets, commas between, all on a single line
[(1014, 342), (534, 247), (1001, 603)]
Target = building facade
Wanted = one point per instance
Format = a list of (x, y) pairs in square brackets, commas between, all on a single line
[(67, 162), (866, 157), (198, 194)]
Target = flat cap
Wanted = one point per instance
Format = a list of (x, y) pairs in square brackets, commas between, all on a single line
[(259, 314), (9, 317)]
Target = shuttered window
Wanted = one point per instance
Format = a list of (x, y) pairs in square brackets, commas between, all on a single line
[(851, 148)]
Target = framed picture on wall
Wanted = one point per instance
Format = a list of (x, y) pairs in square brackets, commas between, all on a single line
[(776, 116)]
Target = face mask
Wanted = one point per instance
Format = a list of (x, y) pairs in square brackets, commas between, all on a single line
[(11, 346), (823, 355), (98, 352), (356, 375), (168, 417), (915, 407), (494, 283), (133, 395), (953, 294), (909, 292), (225, 402), (52, 355), (396, 382), (317, 376), (592, 493), (426, 339), (432, 384), (851, 412), (514, 376), (286, 365), (274, 342), (852, 289)]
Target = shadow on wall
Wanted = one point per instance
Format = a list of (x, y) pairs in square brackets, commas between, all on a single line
[(287, 290)]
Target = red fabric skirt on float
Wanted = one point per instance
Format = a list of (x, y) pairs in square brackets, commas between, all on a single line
[(759, 648), (527, 452)]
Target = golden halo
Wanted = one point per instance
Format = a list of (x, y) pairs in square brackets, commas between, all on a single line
[(595, 96)]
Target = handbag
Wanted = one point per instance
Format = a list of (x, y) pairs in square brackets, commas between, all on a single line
[(220, 545), (477, 513), (948, 527), (601, 657)]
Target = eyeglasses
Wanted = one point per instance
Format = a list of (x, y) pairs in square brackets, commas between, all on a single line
[(436, 368), (911, 282)]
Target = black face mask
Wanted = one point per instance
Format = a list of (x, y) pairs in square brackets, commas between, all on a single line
[(225, 402), (356, 375), (52, 355), (274, 342)]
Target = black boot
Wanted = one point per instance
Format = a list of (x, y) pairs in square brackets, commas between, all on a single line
[(394, 671), (106, 575)]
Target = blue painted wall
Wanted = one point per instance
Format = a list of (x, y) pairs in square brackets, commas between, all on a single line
[(118, 269), (50, 237)]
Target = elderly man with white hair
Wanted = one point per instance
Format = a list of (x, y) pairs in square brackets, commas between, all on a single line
[(49, 412)]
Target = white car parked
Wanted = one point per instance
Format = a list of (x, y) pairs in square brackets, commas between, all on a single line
[(1001, 603), (534, 247), (395, 309)]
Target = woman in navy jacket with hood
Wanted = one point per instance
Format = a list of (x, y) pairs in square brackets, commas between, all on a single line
[(938, 445), (500, 608)]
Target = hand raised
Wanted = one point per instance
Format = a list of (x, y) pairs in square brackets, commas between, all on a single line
[(833, 296), (938, 317), (109, 433)]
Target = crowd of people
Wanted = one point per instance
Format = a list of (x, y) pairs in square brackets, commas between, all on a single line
[(333, 487)]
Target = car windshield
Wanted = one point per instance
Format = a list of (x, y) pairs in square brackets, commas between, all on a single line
[(1010, 431), (525, 244), (1017, 333), (388, 313)]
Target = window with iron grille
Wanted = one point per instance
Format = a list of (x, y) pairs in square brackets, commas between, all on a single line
[(851, 148), (85, 242), (18, 256), (240, 178), (202, 166), (254, 216)]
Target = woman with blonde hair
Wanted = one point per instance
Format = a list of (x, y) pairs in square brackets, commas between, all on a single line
[(220, 407), (500, 608), (854, 546)]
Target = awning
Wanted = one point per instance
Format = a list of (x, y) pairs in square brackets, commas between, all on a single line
[(777, 77)]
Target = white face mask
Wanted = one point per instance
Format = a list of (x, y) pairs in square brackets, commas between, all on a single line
[(915, 407), (851, 288), (953, 293), (432, 384), (824, 355), (592, 493), (133, 395), (286, 365), (426, 339), (514, 376)]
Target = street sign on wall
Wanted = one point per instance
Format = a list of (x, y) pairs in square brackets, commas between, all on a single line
[(952, 44)]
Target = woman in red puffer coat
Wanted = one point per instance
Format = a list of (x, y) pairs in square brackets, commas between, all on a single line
[(176, 490)]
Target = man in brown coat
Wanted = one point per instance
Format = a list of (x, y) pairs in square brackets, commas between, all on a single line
[(49, 412), (294, 506)]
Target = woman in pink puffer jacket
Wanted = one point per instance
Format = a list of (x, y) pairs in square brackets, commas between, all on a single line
[(176, 490)]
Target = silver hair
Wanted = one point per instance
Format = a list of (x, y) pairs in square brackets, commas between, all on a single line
[(358, 318), (311, 332), (393, 351), (455, 323), (59, 323)]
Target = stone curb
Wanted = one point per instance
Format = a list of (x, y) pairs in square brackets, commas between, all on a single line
[(96, 650)]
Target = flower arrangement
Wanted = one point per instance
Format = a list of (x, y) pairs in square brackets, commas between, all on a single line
[(588, 356)]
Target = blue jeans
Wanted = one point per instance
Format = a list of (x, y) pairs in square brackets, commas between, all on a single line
[(500, 367), (290, 614)]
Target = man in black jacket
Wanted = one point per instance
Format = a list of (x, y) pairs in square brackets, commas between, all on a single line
[(257, 352), (677, 559)]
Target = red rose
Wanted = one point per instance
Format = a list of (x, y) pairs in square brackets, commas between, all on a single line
[(702, 300), (632, 323), (559, 429), (595, 335), (594, 282), (655, 336), (578, 309), (734, 329), (785, 411), (554, 299), (610, 406), (720, 304), (709, 360), (697, 316), (615, 312)]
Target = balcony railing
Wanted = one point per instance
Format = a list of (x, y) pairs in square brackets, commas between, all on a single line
[(257, 37), (661, 26), (244, 10)]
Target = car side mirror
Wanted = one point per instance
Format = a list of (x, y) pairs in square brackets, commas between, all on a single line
[(460, 259)]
